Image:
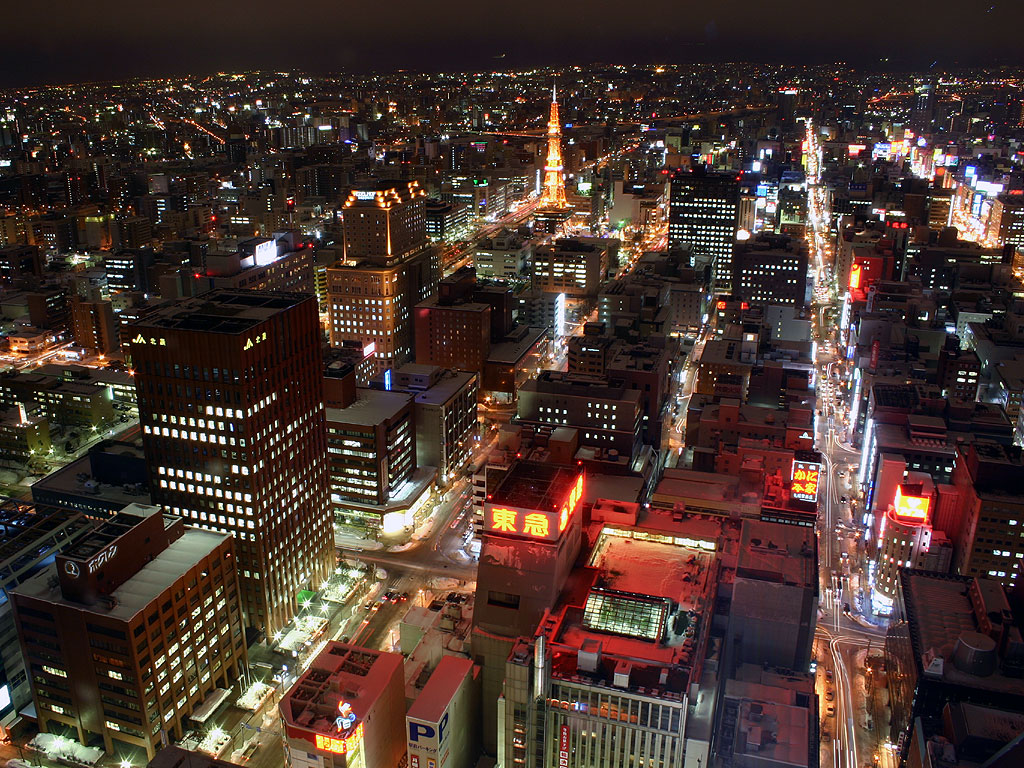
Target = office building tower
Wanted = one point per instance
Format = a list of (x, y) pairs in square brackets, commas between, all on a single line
[(94, 326), (991, 482), (573, 267), (19, 261), (387, 267), (704, 213), (371, 304), (132, 232), (775, 595), (347, 710), (385, 222), (131, 628), (771, 269), (529, 542), (230, 395), (372, 447), (952, 640), (281, 263)]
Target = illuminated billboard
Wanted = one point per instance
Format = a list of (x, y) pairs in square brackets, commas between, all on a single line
[(909, 508), (534, 523), (805, 480), (340, 746), (855, 272)]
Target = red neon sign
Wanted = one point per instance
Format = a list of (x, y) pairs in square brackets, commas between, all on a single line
[(805, 481), (720, 305), (340, 746), (533, 523)]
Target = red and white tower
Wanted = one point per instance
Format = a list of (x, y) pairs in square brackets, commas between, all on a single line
[(553, 195)]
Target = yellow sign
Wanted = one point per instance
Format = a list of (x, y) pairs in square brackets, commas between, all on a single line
[(909, 507), (250, 343), (153, 341)]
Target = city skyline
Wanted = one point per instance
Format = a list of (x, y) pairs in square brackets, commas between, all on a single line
[(655, 414)]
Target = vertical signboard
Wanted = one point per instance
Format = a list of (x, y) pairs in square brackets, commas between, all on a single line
[(563, 748)]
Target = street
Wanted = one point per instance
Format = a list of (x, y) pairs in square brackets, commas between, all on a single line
[(844, 638)]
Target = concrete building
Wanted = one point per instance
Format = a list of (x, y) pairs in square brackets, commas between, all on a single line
[(572, 267), (156, 605), (32, 535), (768, 719), (529, 542), (371, 302), (346, 710), (443, 724), (94, 326), (951, 639), (771, 269), (704, 214), (279, 263), (446, 415), (774, 606), (605, 413), (502, 257), (611, 672), (988, 543), (240, 445), (372, 452), (110, 476), (385, 222)]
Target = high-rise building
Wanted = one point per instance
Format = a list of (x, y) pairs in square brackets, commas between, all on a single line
[(94, 326), (704, 213), (573, 267), (372, 446), (610, 674), (230, 395), (19, 261), (992, 488), (771, 270), (131, 628), (952, 640), (529, 542), (372, 304), (385, 222), (387, 267)]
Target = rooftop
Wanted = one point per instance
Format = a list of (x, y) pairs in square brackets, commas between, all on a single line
[(221, 311), (636, 617), (152, 580), (370, 408), (442, 685), (339, 674), (777, 553), (449, 385), (532, 485), (956, 626)]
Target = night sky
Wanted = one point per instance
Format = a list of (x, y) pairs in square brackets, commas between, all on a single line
[(54, 41)]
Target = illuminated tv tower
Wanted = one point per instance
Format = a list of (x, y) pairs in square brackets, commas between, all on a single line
[(553, 195)]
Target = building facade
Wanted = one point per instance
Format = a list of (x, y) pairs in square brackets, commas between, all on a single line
[(230, 394), (131, 628)]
